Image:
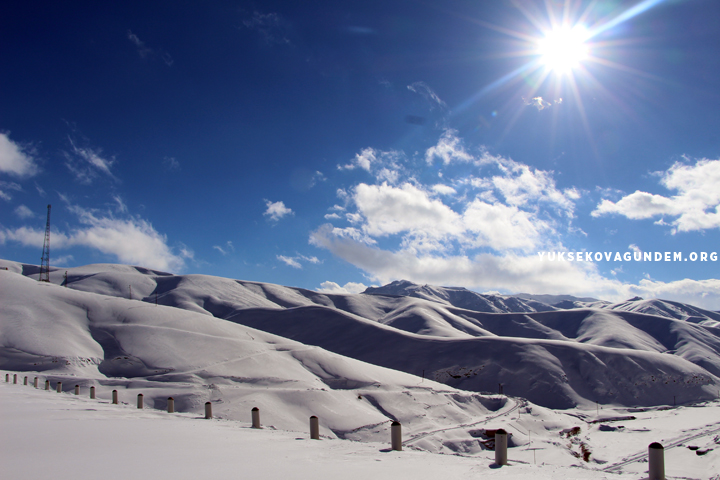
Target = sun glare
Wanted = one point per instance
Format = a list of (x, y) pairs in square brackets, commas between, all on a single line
[(563, 49)]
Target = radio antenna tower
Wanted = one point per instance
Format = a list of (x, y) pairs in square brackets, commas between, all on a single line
[(45, 260)]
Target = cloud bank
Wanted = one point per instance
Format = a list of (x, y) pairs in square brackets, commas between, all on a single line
[(130, 240), (482, 225), (695, 207), (16, 160)]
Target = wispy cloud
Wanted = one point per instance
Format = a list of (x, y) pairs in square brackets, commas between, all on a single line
[(146, 52), (423, 89), (540, 103), (289, 261), (16, 160), (276, 210), (695, 207), (171, 163), (350, 287), (271, 26), (225, 249), (87, 162), (120, 206), (295, 261), (24, 212), (130, 240), (6, 187)]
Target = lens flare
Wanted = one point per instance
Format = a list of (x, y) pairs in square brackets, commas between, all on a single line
[(563, 49)]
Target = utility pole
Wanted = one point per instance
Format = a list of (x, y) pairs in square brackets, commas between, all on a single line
[(45, 259)]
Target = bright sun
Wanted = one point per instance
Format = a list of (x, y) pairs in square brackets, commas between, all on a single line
[(563, 49)]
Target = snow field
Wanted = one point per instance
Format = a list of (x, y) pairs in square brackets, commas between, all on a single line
[(72, 437), (295, 353)]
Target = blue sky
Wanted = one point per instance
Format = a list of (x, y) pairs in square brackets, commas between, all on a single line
[(337, 145)]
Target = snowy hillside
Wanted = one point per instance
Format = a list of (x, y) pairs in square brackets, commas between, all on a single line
[(43, 430), (359, 362), (557, 358), (663, 308), (461, 298)]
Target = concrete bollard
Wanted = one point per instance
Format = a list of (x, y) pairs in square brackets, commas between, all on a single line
[(25, 381), (15, 378), (92, 393), (47, 384), (396, 436), (77, 389), (208, 410), (656, 462), (35, 382), (314, 428), (501, 447), (256, 418), (141, 401), (114, 397), (59, 387), (171, 405)]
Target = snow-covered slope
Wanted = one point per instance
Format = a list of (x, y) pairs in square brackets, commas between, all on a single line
[(360, 361), (558, 358), (460, 297), (663, 308), (75, 437), (136, 346)]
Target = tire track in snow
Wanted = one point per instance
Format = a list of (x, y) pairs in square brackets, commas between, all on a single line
[(517, 403), (643, 455)]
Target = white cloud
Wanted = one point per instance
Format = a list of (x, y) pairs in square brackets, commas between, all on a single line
[(696, 205), (131, 240), (502, 227), (62, 260), (391, 210), (383, 165), (448, 149), (277, 210), (15, 160), (224, 250), (538, 102), (5, 187), (508, 272), (24, 212), (363, 160), (428, 224), (443, 189), (86, 162), (332, 216), (289, 261), (521, 184), (295, 261), (334, 288)]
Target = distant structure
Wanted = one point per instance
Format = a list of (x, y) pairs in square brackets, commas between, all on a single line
[(45, 259)]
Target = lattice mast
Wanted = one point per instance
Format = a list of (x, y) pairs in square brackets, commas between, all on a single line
[(45, 259)]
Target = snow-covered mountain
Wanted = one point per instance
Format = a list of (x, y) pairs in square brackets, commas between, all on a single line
[(461, 298), (361, 361), (654, 306), (556, 358)]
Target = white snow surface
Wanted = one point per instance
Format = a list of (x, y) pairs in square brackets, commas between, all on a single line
[(358, 362)]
